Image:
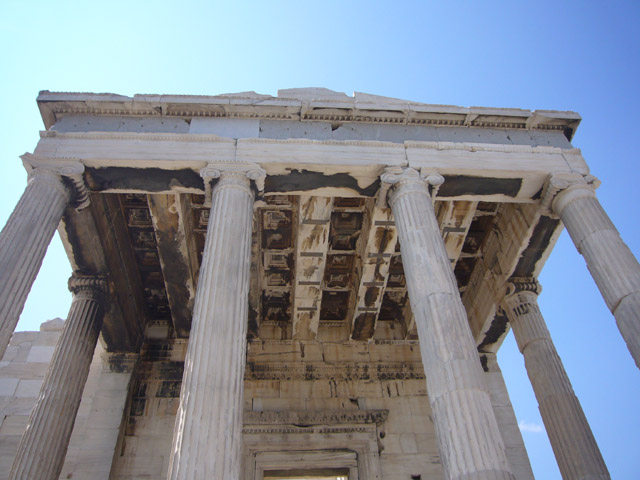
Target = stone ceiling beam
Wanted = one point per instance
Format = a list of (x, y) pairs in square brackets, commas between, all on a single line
[(455, 218), (107, 251), (379, 247), (314, 223), (520, 242), (89, 256), (176, 257)]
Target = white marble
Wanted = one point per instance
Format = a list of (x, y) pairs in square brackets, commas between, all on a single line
[(613, 266), (43, 446), (24, 241), (207, 440), (573, 443), (506, 418), (468, 436)]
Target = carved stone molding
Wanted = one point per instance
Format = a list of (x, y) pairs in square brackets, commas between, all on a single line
[(317, 417), (115, 362), (93, 287), (565, 183), (321, 421), (518, 285), (70, 169), (341, 372), (238, 171), (402, 175), (170, 137)]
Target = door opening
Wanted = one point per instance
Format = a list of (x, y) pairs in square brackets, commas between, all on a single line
[(308, 474)]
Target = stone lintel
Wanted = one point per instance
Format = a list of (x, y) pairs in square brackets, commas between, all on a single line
[(506, 173)]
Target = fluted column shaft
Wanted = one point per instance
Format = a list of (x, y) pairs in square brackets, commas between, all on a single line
[(44, 444), (612, 265), (575, 448), (506, 417), (24, 241), (207, 439), (468, 437)]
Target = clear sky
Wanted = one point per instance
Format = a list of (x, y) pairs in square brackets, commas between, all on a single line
[(581, 56)]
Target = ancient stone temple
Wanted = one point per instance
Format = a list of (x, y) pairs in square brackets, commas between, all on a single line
[(312, 285)]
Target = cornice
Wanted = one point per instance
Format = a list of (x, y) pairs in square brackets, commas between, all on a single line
[(361, 108)]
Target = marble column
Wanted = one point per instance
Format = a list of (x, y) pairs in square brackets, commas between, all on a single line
[(25, 238), (44, 444), (471, 447), (506, 418), (571, 438), (207, 439), (612, 265)]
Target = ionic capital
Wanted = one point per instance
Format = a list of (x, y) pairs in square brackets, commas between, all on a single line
[(239, 175), (90, 287), (523, 284), (562, 188), (396, 179), (69, 173), (521, 300)]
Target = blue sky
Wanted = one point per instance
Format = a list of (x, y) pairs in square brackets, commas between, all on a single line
[(581, 56)]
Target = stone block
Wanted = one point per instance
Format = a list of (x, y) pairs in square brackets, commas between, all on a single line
[(408, 443), (226, 127), (331, 404), (53, 325), (46, 338), (262, 389), (403, 467), (20, 338), (25, 371), (263, 352), (347, 352), (10, 353), (311, 352), (427, 443), (28, 388), (14, 425), (17, 406), (323, 389), (40, 354), (359, 388), (23, 352), (8, 386), (419, 405), (391, 443), (282, 404), (383, 352)]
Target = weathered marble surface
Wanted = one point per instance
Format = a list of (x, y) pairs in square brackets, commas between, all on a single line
[(43, 447), (24, 241), (613, 266), (470, 443), (573, 443), (208, 431)]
